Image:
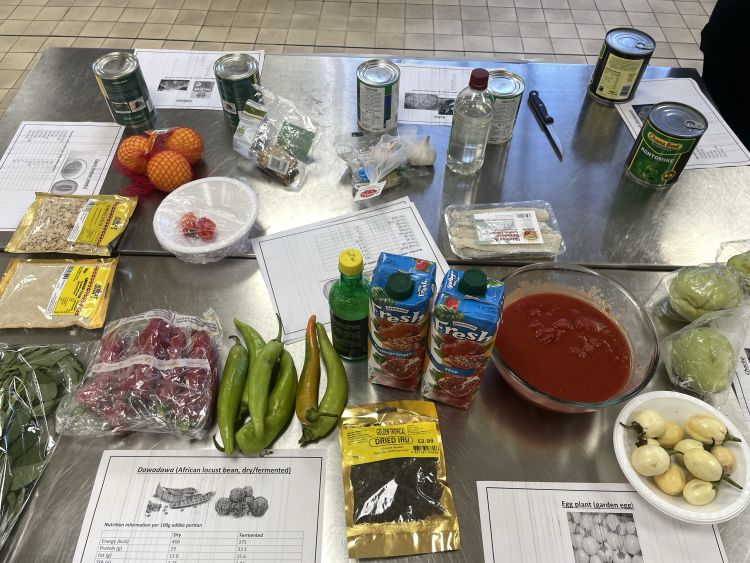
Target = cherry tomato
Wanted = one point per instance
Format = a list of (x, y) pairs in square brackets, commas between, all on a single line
[(206, 228), (189, 223)]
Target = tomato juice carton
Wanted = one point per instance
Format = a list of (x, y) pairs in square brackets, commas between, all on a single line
[(463, 328), (401, 293)]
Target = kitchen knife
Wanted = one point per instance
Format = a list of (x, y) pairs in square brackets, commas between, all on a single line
[(540, 110)]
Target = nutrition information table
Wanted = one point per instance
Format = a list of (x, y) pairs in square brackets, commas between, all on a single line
[(188, 545)]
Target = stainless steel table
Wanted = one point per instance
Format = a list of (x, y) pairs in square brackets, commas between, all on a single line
[(501, 437), (606, 220)]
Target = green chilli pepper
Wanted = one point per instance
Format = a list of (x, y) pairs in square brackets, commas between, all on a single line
[(259, 381), (254, 343), (280, 409), (326, 416), (231, 388)]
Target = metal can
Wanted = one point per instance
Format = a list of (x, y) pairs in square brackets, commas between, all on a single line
[(236, 76), (377, 95), (121, 81), (622, 60), (667, 139), (506, 89)]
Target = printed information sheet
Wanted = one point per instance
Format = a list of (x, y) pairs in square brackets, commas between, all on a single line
[(299, 265), (199, 505), (184, 79), (55, 157), (562, 522), (719, 145), (426, 93)]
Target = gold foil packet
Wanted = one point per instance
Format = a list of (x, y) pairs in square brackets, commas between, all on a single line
[(56, 293), (72, 224), (396, 496)]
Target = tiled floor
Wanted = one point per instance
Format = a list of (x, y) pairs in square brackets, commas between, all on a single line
[(566, 31)]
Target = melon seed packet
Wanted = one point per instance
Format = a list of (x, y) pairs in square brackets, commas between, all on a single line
[(396, 496), (72, 224)]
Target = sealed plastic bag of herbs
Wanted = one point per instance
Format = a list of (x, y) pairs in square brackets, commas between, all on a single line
[(33, 379), (396, 495)]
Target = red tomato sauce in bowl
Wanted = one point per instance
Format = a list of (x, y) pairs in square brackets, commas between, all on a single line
[(564, 347)]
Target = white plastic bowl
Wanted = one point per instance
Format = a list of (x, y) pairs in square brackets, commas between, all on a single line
[(729, 501), (231, 204)]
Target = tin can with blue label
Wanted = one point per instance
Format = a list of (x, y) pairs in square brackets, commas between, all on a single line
[(121, 81), (377, 95)]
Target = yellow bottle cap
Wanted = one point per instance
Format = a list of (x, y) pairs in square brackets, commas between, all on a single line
[(350, 262)]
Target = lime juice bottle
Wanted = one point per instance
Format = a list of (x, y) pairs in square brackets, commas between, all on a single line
[(349, 301)]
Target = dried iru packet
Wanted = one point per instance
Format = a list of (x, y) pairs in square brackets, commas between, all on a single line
[(504, 230), (38, 293), (397, 500), (72, 224)]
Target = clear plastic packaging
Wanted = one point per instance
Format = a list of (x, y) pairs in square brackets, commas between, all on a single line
[(373, 159), (736, 255), (284, 140), (525, 229), (37, 293), (33, 380), (86, 224), (207, 220), (155, 372), (701, 357), (689, 293)]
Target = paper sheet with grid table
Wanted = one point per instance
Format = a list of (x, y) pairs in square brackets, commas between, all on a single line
[(543, 522), (300, 264), (165, 506), (56, 157)]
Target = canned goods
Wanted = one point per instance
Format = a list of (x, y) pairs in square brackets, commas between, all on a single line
[(667, 139), (622, 60), (236, 77), (506, 88), (121, 81), (377, 95)]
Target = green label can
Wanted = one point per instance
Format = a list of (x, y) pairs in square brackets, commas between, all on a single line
[(121, 82), (668, 137), (236, 76), (506, 89)]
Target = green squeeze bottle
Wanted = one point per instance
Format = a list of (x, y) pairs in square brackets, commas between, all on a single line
[(349, 301)]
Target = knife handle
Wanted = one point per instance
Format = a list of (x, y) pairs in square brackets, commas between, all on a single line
[(539, 108)]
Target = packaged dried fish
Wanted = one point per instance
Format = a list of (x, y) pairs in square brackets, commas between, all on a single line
[(504, 230), (397, 500)]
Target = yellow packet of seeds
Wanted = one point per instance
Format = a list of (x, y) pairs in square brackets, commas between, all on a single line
[(72, 224), (397, 500), (56, 293)]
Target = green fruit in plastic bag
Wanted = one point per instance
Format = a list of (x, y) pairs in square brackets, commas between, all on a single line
[(697, 291), (741, 263), (702, 360)]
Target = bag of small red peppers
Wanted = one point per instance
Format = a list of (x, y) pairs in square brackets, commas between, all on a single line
[(155, 372)]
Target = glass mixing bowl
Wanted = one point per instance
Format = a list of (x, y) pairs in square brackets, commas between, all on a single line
[(607, 296)]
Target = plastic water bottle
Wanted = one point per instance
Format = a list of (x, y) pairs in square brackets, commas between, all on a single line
[(472, 116)]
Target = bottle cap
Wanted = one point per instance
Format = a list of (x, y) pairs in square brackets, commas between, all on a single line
[(350, 262), (399, 286), (473, 282), (479, 79)]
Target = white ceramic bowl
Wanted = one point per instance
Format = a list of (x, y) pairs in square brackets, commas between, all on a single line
[(231, 204), (729, 501)]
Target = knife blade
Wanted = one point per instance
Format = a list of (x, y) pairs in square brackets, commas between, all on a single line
[(540, 110)]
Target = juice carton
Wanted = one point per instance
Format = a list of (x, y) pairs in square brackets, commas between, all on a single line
[(464, 323), (401, 293)]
